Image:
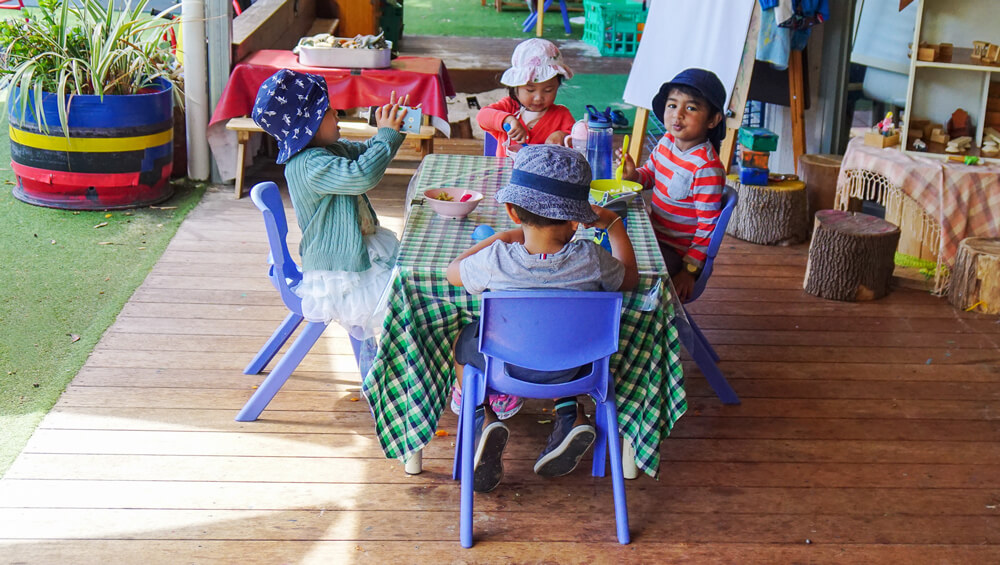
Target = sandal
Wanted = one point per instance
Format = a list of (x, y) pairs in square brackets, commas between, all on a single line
[(618, 119)]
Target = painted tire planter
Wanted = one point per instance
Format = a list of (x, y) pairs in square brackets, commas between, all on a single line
[(119, 153)]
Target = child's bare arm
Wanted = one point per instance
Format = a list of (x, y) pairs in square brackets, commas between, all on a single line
[(557, 138), (621, 244), (509, 236)]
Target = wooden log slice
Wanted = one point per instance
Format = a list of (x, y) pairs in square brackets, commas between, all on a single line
[(820, 173), (775, 214), (975, 280), (851, 256)]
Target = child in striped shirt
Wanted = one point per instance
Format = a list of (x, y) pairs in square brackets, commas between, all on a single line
[(685, 173)]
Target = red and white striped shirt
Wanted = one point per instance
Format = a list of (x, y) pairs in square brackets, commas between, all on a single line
[(687, 196)]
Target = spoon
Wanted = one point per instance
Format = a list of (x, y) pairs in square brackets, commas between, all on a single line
[(621, 165)]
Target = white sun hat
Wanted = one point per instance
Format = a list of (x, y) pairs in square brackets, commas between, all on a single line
[(535, 60)]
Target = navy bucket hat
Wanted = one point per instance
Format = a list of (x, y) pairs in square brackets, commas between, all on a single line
[(710, 88), (551, 181), (289, 106)]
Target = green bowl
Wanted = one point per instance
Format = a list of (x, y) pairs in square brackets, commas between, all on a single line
[(612, 187)]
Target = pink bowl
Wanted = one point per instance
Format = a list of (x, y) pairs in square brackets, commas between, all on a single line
[(462, 201)]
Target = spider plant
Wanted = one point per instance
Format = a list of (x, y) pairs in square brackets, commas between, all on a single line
[(84, 48)]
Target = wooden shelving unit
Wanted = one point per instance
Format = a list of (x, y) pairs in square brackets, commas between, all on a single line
[(936, 88)]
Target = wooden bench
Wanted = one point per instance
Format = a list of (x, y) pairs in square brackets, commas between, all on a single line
[(423, 143)]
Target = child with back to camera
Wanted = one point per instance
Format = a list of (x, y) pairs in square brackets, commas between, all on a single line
[(548, 197), (347, 257), (685, 173), (530, 112)]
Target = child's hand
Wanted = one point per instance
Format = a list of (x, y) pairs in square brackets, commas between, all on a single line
[(557, 138), (391, 115), (516, 133), (604, 217), (684, 285), (628, 172)]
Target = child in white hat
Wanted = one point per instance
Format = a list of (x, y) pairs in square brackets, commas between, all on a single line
[(529, 115)]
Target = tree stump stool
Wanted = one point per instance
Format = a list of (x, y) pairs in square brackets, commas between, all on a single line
[(851, 256), (975, 280), (770, 215), (820, 173)]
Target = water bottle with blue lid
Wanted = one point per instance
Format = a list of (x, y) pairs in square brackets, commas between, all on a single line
[(600, 136)]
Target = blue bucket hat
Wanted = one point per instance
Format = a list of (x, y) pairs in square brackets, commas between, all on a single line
[(711, 89), (289, 106), (551, 181)]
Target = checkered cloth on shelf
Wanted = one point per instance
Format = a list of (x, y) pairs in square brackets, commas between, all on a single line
[(412, 375)]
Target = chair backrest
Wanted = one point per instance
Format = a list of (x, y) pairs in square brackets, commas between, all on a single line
[(549, 330), (489, 144), (284, 273), (729, 199)]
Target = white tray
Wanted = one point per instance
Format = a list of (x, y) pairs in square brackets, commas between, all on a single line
[(345, 58)]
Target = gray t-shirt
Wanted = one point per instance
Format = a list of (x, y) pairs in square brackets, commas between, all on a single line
[(579, 265)]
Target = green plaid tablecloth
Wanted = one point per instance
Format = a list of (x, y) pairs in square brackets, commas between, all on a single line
[(411, 378)]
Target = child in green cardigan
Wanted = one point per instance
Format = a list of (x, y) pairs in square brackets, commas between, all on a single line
[(347, 257)]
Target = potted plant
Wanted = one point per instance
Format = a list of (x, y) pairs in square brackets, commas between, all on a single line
[(90, 95)]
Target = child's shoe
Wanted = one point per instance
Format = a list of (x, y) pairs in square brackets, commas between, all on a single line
[(565, 447), (503, 405), (488, 463)]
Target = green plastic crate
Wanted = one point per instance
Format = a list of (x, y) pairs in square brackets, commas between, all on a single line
[(614, 26)]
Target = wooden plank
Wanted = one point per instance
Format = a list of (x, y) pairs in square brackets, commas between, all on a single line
[(440, 496), (335, 470), (157, 552), (222, 524)]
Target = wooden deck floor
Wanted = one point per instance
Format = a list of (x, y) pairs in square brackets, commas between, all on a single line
[(868, 433)]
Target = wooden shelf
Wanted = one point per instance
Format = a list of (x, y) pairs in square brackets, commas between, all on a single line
[(961, 60)]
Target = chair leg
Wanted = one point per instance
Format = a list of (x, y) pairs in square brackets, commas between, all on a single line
[(470, 386), (600, 445), (273, 344), (565, 16), (701, 337), (267, 389), (364, 354), (617, 477), (712, 374)]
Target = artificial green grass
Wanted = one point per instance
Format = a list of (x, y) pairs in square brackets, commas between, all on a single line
[(468, 18), (600, 91), (64, 279)]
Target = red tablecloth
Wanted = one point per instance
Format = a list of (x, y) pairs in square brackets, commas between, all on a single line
[(425, 79)]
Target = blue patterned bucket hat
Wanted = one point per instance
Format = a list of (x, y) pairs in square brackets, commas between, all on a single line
[(551, 181), (289, 106)]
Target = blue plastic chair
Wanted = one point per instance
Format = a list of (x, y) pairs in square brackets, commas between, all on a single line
[(529, 23), (489, 144), (533, 329), (694, 340), (284, 275)]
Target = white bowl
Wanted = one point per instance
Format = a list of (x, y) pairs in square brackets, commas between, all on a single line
[(454, 208)]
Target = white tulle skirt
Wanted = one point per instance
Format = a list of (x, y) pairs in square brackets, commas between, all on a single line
[(356, 301)]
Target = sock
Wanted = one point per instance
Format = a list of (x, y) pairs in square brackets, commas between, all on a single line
[(566, 406)]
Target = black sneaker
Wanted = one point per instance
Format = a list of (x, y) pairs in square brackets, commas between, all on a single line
[(566, 446), (488, 463)]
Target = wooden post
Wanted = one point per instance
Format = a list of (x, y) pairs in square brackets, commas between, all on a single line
[(975, 281), (638, 135), (538, 21), (796, 99), (851, 256)]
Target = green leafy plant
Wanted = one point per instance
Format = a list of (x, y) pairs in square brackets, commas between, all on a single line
[(84, 48)]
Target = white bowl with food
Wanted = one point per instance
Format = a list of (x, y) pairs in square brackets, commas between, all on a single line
[(453, 202)]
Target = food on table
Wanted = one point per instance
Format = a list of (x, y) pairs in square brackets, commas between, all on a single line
[(330, 41), (444, 196)]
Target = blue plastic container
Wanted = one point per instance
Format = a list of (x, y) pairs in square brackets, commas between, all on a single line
[(754, 176), (600, 136)]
